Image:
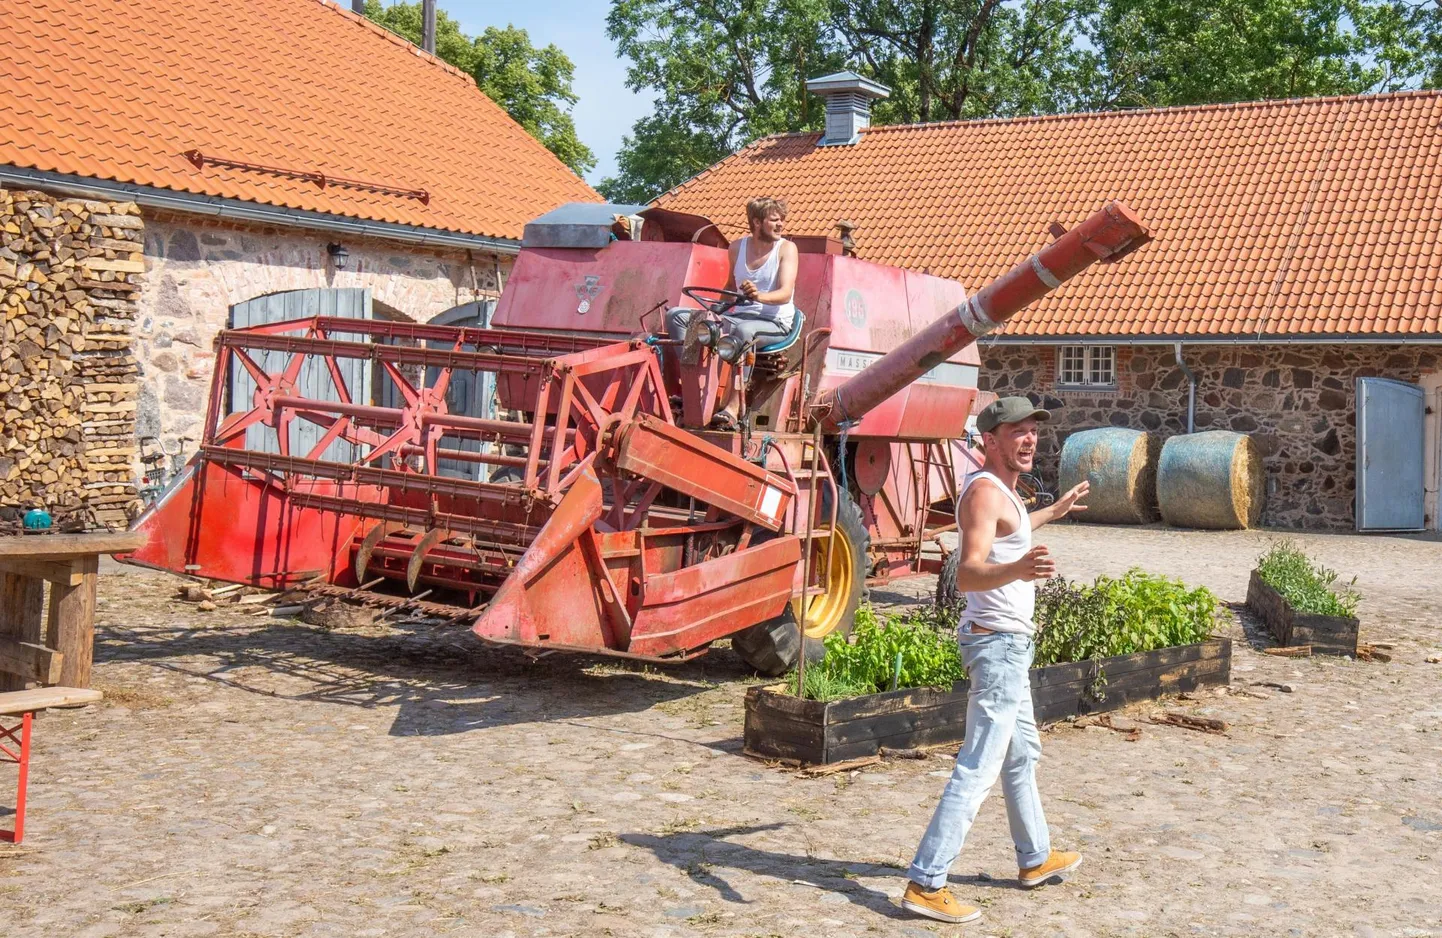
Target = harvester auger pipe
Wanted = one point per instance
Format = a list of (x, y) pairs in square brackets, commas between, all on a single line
[(1111, 233)]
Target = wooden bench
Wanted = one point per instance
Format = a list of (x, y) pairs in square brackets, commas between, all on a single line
[(24, 703), (59, 649)]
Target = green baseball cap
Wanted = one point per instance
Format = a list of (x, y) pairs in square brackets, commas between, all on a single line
[(1008, 410)]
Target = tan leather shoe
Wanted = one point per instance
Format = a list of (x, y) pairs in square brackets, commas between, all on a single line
[(1059, 863), (939, 904)]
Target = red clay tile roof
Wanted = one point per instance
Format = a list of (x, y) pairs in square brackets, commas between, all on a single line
[(120, 90), (1301, 217)]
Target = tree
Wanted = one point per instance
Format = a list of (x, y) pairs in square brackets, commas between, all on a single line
[(532, 85), (728, 71)]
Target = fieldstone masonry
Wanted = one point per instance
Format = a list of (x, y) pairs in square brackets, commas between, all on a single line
[(69, 273), (198, 269), (1297, 401)]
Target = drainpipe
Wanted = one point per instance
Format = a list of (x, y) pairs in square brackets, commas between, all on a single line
[(1191, 389)]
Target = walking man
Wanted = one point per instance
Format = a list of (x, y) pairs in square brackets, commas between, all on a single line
[(997, 567)]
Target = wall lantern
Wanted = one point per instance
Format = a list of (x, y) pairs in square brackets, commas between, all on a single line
[(338, 255)]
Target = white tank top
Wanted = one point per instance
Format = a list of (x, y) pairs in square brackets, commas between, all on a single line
[(765, 278), (1009, 608)]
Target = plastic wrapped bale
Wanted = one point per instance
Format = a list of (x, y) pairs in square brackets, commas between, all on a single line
[(1212, 480), (1121, 466)]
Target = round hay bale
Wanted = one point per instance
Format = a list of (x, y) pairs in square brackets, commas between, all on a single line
[(1121, 466), (1211, 480)]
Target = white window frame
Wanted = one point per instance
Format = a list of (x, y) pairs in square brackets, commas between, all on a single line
[(1086, 367)]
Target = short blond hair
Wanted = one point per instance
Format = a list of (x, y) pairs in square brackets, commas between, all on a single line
[(758, 209)]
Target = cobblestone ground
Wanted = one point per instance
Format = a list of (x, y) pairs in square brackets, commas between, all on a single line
[(251, 776)]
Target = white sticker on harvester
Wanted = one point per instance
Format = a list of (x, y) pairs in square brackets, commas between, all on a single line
[(771, 502)]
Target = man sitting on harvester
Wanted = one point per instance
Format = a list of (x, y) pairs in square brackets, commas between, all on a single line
[(761, 283)]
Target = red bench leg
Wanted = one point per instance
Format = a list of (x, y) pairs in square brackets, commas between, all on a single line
[(22, 758)]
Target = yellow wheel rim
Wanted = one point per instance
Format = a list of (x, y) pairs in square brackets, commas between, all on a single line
[(825, 612)]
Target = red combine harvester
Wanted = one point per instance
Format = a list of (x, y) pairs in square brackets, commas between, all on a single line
[(615, 517)]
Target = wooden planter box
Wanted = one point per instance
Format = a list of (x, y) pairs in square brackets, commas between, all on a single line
[(780, 725), (1333, 635)]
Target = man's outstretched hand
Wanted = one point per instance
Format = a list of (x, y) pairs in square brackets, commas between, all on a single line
[(1036, 564), (1071, 501)]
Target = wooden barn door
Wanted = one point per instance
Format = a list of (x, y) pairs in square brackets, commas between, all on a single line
[(314, 380)]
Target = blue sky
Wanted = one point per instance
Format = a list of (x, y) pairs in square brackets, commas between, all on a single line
[(606, 109)]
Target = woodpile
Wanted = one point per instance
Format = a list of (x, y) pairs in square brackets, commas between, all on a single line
[(1121, 466), (69, 275)]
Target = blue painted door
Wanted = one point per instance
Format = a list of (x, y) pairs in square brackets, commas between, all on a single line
[(1390, 455)]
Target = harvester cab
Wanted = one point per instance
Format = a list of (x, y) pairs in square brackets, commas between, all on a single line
[(617, 514)]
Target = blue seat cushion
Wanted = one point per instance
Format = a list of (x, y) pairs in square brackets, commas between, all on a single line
[(798, 322)]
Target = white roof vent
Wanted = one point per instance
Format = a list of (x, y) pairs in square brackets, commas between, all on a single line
[(848, 105)]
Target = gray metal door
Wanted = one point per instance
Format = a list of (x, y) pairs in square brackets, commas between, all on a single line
[(471, 393), (1389, 455), (314, 380)]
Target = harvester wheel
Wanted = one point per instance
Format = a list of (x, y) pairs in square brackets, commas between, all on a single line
[(508, 475), (772, 647), (948, 597)]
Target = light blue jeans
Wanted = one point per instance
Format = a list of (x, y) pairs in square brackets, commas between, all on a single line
[(1001, 740)]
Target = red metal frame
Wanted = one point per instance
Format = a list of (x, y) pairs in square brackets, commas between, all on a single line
[(22, 758)]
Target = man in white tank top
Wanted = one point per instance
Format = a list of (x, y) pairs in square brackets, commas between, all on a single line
[(998, 565)]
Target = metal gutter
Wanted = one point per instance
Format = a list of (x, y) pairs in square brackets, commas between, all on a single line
[(239, 210), (1319, 339), (1191, 390)]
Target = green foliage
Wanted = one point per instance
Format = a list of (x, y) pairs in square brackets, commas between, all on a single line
[(726, 72), (532, 85), (864, 663), (1076, 622), (1309, 587), (1119, 616)]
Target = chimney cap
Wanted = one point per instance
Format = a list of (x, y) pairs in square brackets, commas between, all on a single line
[(847, 81)]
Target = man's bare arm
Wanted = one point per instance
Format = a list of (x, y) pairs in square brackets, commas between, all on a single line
[(981, 508), (1062, 507), (785, 279)]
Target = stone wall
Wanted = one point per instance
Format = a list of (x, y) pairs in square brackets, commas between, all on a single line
[(199, 268), (1297, 401), (69, 273)]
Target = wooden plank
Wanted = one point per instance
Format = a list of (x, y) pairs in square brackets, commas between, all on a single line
[(55, 571), (774, 697), (66, 546), (38, 698), (22, 602), (70, 629), (30, 661), (1123, 664)]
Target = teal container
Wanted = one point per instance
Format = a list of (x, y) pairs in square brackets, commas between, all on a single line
[(37, 519)]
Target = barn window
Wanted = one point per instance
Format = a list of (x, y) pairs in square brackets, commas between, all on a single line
[(1087, 366)]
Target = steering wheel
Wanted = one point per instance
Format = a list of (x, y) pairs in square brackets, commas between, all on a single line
[(726, 299)]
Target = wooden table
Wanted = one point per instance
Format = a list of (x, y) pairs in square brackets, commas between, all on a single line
[(59, 649), (25, 703)]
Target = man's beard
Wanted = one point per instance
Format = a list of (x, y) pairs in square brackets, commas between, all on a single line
[(765, 237), (1015, 464)]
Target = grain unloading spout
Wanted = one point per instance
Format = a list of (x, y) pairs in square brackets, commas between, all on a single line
[(1108, 235)]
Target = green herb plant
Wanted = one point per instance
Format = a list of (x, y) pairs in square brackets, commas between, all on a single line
[(1076, 622), (1308, 587)]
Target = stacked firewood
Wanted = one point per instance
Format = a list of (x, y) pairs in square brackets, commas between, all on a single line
[(69, 277)]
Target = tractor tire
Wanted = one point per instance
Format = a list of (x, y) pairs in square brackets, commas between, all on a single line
[(948, 597), (772, 647), (508, 475)]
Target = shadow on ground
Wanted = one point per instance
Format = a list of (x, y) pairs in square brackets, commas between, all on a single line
[(439, 681), (703, 855)]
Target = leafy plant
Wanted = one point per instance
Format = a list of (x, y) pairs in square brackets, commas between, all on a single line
[(1076, 622), (1119, 616), (1309, 587)]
